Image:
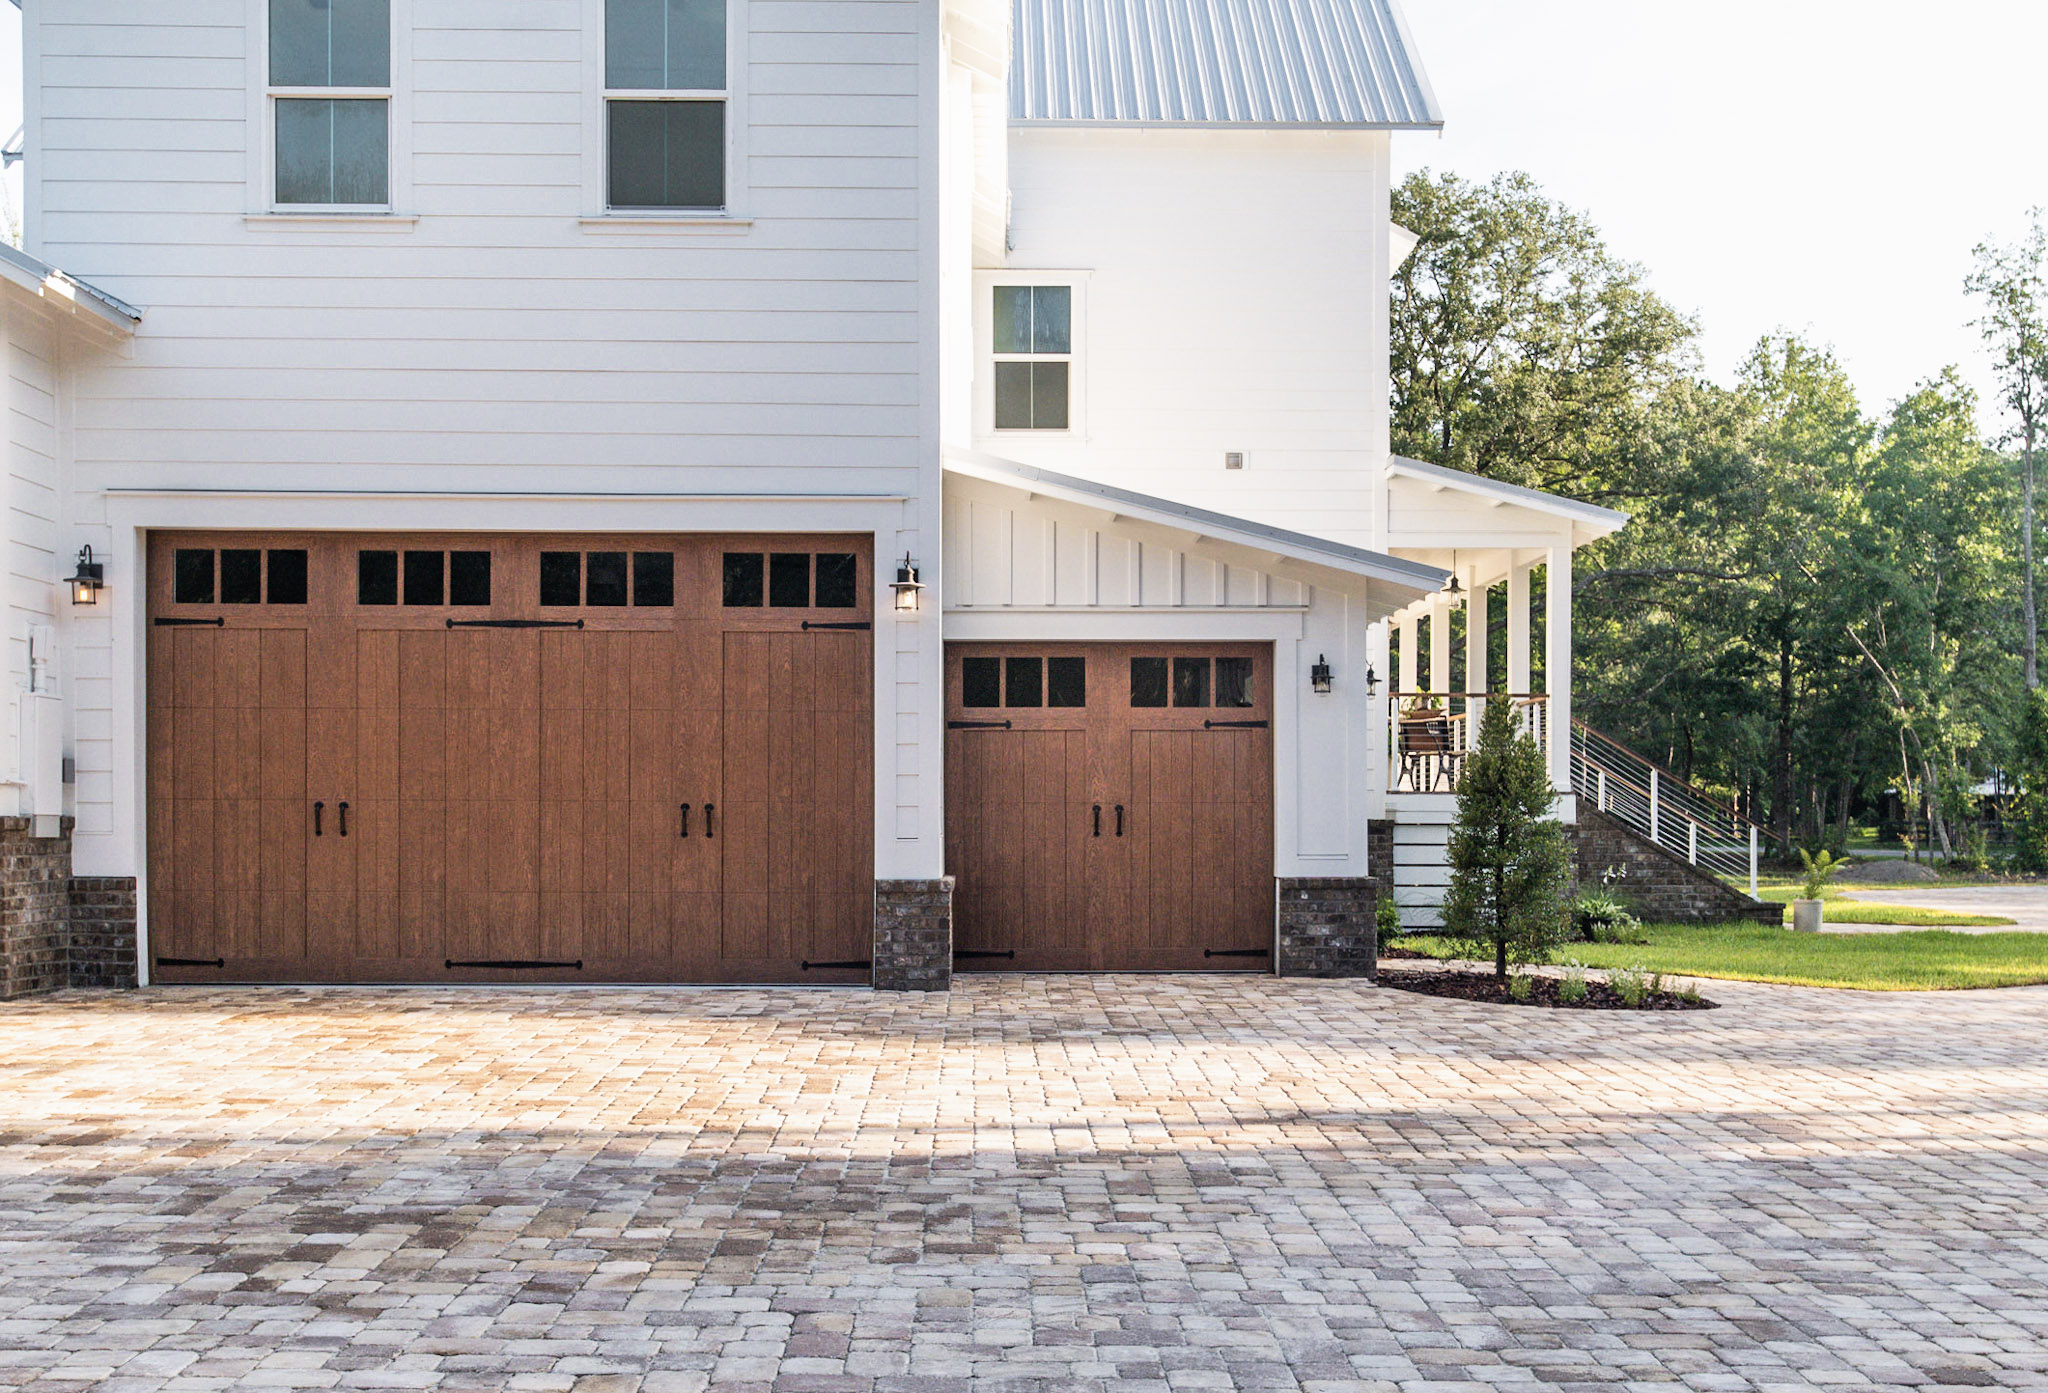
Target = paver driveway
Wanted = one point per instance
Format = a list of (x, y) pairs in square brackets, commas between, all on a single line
[(1062, 1182)]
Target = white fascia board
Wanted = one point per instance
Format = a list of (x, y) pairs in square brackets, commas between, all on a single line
[(1200, 523), (1401, 244), (1589, 519), (65, 293)]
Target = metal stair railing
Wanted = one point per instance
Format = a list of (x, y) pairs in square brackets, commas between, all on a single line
[(1655, 803)]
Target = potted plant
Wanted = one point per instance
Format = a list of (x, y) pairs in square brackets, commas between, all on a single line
[(1806, 911)]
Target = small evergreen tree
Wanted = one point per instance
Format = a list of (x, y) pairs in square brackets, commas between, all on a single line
[(1510, 862)]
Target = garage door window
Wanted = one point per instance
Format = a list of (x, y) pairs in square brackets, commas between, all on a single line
[(1188, 682), (431, 578), (791, 580), (608, 579), (1024, 682), (240, 573)]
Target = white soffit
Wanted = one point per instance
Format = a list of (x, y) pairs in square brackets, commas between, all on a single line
[(1412, 576), (58, 290), (1321, 63), (1589, 519)]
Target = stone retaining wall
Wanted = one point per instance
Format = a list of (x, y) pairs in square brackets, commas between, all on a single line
[(1662, 886)]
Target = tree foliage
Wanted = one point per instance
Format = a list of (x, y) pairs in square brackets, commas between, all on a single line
[(1510, 863)]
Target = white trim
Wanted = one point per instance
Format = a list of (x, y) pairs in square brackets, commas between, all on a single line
[(1600, 521), (1123, 625), (261, 165), (1076, 358), (598, 214)]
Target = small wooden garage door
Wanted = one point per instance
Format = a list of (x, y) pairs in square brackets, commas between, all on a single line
[(1109, 807), (461, 758)]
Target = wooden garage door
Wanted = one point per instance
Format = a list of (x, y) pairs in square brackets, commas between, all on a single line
[(1109, 807), (460, 758)]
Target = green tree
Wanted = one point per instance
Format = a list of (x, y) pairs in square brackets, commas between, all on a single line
[(1510, 863), (2031, 832), (2013, 284)]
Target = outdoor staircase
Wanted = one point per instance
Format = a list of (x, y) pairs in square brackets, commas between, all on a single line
[(1696, 835)]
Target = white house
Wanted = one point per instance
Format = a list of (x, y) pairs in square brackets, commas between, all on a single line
[(729, 490)]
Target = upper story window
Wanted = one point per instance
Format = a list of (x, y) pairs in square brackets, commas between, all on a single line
[(666, 95), (1033, 342), (330, 93)]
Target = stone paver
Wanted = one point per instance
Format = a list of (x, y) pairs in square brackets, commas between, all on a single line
[(1149, 1184)]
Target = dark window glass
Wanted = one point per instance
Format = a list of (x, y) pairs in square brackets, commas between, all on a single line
[(1148, 681), (288, 577), (1190, 681), (241, 577), (654, 579), (604, 579), (1026, 682), (330, 43), (789, 580), (664, 45), (981, 682), (561, 577), (332, 150), (469, 577), (744, 573), (1013, 319), (1031, 396), (1066, 681), (1233, 681), (194, 577), (423, 572), (838, 581), (376, 577), (667, 154), (1052, 316)]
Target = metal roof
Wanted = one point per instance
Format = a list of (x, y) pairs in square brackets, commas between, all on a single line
[(1200, 522), (1218, 63), (41, 278), (1603, 520)]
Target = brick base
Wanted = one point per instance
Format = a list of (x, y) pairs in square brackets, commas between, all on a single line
[(914, 935), (1662, 886), (1327, 928), (35, 908), (102, 931)]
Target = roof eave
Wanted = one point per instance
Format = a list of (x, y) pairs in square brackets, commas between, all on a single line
[(1587, 517), (62, 291), (1112, 123)]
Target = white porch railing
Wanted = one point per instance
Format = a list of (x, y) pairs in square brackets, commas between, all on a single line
[(1432, 732), (1655, 803)]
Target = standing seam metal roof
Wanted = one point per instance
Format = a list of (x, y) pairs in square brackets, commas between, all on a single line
[(1218, 62)]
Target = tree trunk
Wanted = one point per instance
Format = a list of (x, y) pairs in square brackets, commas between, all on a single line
[(1500, 959), (1781, 813), (2027, 555)]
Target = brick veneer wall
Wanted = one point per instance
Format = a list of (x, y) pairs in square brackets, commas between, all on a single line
[(35, 908), (1379, 853), (102, 931), (914, 935), (1662, 886), (1327, 927)]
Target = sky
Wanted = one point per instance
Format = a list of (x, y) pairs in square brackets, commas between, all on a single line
[(1822, 166)]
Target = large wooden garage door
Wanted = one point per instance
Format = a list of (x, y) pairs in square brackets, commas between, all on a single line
[(1109, 807), (460, 758)]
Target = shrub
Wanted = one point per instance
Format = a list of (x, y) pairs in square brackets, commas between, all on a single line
[(1631, 984), (1387, 918), (1571, 988), (1521, 987), (1600, 916), (1510, 863), (1819, 871)]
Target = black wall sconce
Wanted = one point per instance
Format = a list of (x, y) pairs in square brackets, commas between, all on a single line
[(907, 586), (90, 578), (1372, 681), (1319, 675)]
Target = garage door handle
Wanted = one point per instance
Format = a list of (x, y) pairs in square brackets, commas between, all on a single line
[(317, 807), (1098, 819), (686, 819), (342, 808), (1119, 819), (710, 826)]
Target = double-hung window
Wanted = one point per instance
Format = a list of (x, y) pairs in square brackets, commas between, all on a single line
[(1034, 356), (330, 96), (665, 103)]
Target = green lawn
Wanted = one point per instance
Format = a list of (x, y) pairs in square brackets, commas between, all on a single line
[(1931, 961), (1838, 907)]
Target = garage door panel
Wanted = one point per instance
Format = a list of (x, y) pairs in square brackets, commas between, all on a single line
[(192, 730), (238, 752), (374, 830)]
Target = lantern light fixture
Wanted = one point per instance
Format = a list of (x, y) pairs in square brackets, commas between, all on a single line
[(907, 586), (1319, 675), (90, 578), (1372, 681), (1454, 589)]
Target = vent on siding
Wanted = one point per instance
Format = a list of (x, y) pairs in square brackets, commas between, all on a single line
[(1233, 459)]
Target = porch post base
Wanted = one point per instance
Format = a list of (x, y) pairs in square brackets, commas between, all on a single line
[(914, 935), (1327, 927)]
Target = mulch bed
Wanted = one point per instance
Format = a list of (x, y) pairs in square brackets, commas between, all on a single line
[(1483, 986)]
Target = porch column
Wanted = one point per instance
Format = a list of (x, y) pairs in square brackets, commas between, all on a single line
[(1408, 655), (1557, 662), (1518, 627), (1439, 643), (1476, 620)]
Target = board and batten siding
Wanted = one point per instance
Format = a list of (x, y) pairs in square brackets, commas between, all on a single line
[(1235, 300), (32, 540), (495, 337)]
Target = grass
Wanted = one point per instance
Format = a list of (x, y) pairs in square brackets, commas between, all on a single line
[(1935, 960), (1838, 908)]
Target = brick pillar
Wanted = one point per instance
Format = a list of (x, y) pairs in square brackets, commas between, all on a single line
[(1327, 927), (102, 931), (35, 908), (914, 935)]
